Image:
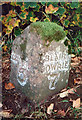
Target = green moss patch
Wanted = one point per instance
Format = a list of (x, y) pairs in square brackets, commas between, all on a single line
[(48, 30)]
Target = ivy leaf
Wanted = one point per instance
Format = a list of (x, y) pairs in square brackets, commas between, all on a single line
[(36, 8), (43, 3), (51, 9), (8, 18), (23, 8), (12, 13), (23, 14), (17, 31), (19, 3), (33, 4), (2, 18), (74, 5), (30, 4), (30, 14), (13, 3), (66, 23), (10, 27), (16, 23), (46, 20), (66, 41), (33, 19), (8, 31), (55, 4), (62, 3), (60, 11), (78, 10)]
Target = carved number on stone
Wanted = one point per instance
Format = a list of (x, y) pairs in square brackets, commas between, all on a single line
[(54, 80), (22, 68), (53, 64)]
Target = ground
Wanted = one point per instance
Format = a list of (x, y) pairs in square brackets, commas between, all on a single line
[(65, 104)]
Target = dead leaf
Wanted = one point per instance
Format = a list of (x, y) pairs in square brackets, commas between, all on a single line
[(5, 48), (77, 80), (6, 113), (64, 94), (71, 91), (9, 86), (47, 43), (1, 105), (76, 103), (50, 108), (72, 55), (61, 112), (63, 90), (55, 110)]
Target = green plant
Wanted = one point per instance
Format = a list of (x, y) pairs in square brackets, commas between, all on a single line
[(48, 30), (66, 14)]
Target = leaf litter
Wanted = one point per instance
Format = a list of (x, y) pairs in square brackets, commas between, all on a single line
[(62, 104)]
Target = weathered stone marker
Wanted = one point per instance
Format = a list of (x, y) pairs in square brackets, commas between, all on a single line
[(40, 61)]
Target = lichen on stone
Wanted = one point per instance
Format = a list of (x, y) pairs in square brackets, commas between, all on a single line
[(48, 31), (23, 48)]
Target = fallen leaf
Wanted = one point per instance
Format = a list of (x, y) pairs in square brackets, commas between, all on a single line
[(6, 113), (50, 108), (76, 103), (5, 48), (64, 94), (71, 100), (63, 90), (71, 91), (77, 80), (47, 43), (55, 110), (9, 86), (1, 105), (72, 55), (61, 113)]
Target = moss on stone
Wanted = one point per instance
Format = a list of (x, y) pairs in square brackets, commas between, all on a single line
[(48, 30)]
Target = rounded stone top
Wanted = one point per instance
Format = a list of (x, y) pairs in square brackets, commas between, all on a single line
[(40, 65), (48, 30)]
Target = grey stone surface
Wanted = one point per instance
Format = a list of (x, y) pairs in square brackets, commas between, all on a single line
[(38, 70)]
